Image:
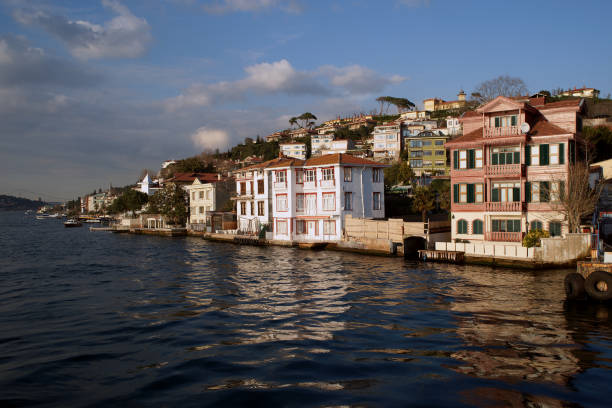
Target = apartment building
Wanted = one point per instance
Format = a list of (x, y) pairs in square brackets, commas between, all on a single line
[(427, 153), (293, 149), (387, 141), (509, 167)]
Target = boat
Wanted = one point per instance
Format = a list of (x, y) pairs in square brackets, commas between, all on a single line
[(71, 223)]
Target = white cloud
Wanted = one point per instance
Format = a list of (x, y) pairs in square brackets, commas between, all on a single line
[(228, 6), (124, 36), (359, 80), (209, 139)]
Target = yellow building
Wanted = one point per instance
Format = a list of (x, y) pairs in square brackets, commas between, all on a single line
[(436, 104)]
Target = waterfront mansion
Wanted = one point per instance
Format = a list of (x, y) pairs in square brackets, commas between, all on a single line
[(307, 200), (509, 167)]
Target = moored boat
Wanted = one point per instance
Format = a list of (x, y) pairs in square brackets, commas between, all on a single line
[(71, 223)]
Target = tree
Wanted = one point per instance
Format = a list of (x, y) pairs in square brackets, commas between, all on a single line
[(423, 201), (442, 190), (600, 140), (402, 104), (193, 164), (293, 122), (577, 199), (306, 120), (171, 202), (398, 174), (503, 85), (130, 200)]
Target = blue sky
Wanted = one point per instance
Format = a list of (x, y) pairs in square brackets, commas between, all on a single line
[(92, 92)]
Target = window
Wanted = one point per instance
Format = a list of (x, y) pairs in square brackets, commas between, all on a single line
[(252, 206), (242, 188), (426, 163), (201, 195), (260, 208), (427, 153), (329, 201), (300, 226), (390, 137), (299, 176), (557, 154), (468, 193), (242, 208), (328, 174), (506, 192), (416, 153), (193, 196), (309, 176), (281, 202), (506, 225), (416, 163), (376, 201), (463, 159), (376, 175), (477, 227), (439, 142), (299, 202), (554, 228), (348, 174), (439, 152), (348, 201), (329, 227), (535, 155), (281, 227), (280, 176), (416, 143), (260, 186), (505, 121), (478, 156), (462, 227), (556, 191), (536, 225), (426, 142), (505, 155), (201, 210)]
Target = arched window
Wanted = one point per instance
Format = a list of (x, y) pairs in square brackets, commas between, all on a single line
[(462, 227), (554, 228), (536, 225), (477, 227)]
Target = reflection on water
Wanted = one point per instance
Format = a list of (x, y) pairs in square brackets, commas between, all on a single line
[(100, 319)]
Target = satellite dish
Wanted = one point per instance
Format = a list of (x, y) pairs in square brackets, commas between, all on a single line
[(525, 127)]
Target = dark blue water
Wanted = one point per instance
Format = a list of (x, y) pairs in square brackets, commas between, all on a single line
[(100, 319)]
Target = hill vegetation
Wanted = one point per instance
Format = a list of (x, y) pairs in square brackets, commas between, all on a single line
[(11, 203)]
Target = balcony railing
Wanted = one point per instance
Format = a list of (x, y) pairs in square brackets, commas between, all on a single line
[(508, 206), (504, 170), (280, 185), (502, 131), (504, 236)]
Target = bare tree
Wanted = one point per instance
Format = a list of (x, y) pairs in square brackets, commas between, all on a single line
[(578, 199), (503, 85)]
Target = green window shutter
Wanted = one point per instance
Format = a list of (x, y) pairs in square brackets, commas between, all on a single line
[(502, 158), (516, 194), (471, 159), (572, 151), (455, 193), (513, 120), (495, 195), (497, 122), (517, 225), (455, 159), (495, 225), (544, 191), (470, 193), (528, 192), (527, 154), (494, 160), (517, 158), (543, 155), (561, 153), (562, 190)]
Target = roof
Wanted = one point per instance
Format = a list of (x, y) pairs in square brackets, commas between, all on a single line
[(292, 143), (468, 137), (561, 104), (544, 128), (328, 159), (190, 177)]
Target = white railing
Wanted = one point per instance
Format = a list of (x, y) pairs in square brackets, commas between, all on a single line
[(502, 131), (504, 170), (509, 206)]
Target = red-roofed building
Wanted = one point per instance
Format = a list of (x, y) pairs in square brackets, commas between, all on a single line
[(509, 167)]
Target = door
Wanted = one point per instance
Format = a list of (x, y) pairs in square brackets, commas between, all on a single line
[(311, 204), (312, 228)]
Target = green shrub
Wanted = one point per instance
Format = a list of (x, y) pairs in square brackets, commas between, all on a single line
[(532, 238)]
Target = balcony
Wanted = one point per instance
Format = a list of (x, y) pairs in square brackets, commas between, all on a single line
[(507, 206), (280, 185), (514, 170), (502, 131), (504, 236)]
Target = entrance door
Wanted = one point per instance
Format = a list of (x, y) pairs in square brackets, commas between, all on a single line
[(312, 228)]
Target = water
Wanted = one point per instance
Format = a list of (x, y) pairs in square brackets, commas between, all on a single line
[(100, 319)]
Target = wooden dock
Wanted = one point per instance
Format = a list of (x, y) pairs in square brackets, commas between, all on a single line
[(432, 255)]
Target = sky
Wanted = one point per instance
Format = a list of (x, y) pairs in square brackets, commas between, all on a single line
[(94, 91)]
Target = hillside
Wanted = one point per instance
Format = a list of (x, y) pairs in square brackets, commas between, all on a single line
[(11, 203)]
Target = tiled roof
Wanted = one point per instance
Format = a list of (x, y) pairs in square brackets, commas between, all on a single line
[(468, 137), (561, 104), (190, 177), (544, 128), (470, 114), (340, 158), (284, 162)]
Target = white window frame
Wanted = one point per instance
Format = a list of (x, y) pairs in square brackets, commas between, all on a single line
[(348, 174), (299, 202), (348, 201), (281, 202), (309, 175), (553, 154), (463, 159), (329, 201), (328, 174), (376, 201), (327, 227)]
